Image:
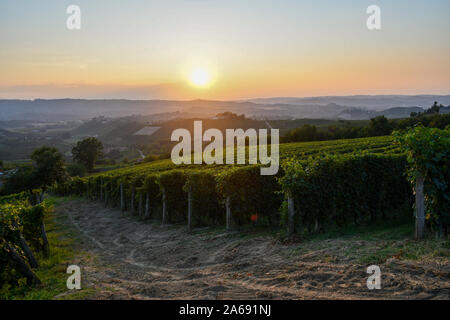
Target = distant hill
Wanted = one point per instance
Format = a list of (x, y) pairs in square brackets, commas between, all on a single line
[(375, 102), (351, 107), (444, 110), (391, 113)]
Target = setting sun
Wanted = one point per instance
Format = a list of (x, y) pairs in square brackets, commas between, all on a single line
[(200, 78)]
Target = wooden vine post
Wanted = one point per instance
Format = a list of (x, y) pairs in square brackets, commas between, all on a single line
[(122, 202), (420, 208), (190, 208), (106, 196), (45, 243), (228, 217), (28, 253), (164, 213), (22, 266), (26, 249), (291, 212), (132, 201), (140, 205), (111, 195), (101, 189), (147, 206)]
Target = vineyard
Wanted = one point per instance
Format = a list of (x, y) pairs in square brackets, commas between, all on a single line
[(22, 235), (320, 187), (334, 182)]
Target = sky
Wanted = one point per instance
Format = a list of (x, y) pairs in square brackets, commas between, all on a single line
[(144, 49)]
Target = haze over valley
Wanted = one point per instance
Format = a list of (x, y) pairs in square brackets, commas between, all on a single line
[(329, 107)]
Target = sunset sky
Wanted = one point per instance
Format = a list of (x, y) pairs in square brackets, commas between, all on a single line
[(233, 49)]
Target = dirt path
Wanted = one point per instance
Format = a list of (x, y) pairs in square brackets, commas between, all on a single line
[(144, 260)]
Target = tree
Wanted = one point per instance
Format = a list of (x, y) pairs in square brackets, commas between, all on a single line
[(304, 133), (23, 179), (230, 115), (434, 108), (379, 126), (87, 151), (76, 170), (49, 166)]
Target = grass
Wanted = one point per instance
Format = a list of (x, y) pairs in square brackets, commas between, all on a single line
[(407, 250), (398, 228), (365, 244), (52, 270), (374, 244)]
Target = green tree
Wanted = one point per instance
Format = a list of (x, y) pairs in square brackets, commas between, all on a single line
[(87, 151), (434, 108), (379, 126), (305, 133), (49, 166), (76, 170), (23, 179)]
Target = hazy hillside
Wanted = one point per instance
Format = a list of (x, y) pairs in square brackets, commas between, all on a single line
[(377, 102), (352, 107)]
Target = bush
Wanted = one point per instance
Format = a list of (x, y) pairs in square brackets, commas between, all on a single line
[(346, 189), (19, 220), (76, 170), (251, 194), (32, 218), (150, 186), (207, 208), (172, 182), (428, 155)]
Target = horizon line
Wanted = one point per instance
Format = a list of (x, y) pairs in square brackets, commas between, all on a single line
[(237, 100)]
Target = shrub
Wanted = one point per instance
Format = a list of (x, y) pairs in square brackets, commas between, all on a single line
[(31, 218), (428, 155), (206, 201), (19, 221), (172, 182), (150, 185), (76, 170), (344, 189), (251, 194)]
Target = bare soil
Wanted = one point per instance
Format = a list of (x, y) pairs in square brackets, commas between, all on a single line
[(145, 260)]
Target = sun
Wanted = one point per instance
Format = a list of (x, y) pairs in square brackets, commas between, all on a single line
[(200, 78)]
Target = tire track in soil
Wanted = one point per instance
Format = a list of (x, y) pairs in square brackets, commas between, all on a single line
[(145, 260)]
